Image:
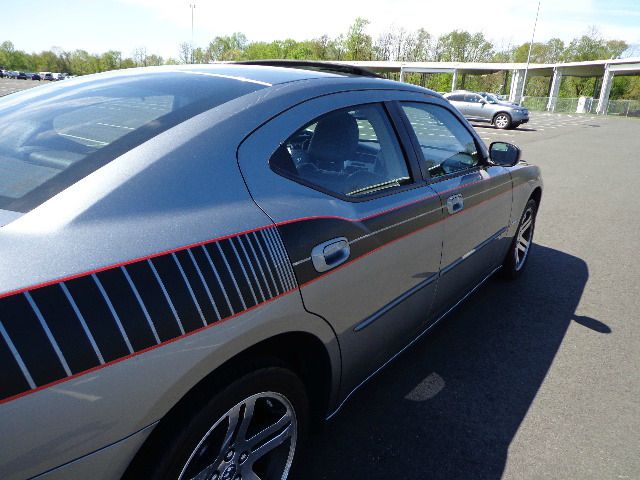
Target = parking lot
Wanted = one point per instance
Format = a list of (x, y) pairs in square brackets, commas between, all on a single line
[(526, 380), (536, 379)]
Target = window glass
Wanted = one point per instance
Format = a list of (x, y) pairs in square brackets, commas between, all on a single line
[(472, 97), (53, 136), (447, 146), (456, 98), (352, 152)]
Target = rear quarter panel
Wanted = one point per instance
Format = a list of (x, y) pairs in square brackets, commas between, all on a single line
[(181, 189)]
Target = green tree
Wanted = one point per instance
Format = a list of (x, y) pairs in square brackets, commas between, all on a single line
[(358, 43)]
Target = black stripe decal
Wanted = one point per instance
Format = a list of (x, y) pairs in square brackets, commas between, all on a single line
[(153, 298), (14, 374), (480, 246), (30, 340), (50, 333), (66, 328)]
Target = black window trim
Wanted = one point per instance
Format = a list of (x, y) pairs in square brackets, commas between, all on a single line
[(404, 142), (415, 143)]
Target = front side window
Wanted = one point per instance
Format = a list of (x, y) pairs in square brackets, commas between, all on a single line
[(351, 152), (447, 146)]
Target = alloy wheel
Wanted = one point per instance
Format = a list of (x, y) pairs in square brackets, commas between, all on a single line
[(524, 238), (501, 121), (254, 440)]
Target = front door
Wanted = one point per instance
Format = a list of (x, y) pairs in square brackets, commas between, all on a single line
[(475, 195), (361, 227)]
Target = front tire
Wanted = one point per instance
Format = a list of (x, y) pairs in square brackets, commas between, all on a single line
[(518, 253), (250, 430), (502, 121)]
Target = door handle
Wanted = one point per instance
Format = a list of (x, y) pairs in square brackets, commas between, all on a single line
[(330, 254), (455, 203)]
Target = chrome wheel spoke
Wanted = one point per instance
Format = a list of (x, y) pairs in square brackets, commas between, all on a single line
[(269, 445), (526, 224), (237, 448), (249, 407), (261, 436)]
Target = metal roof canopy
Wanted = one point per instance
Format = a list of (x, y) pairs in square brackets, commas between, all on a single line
[(592, 68)]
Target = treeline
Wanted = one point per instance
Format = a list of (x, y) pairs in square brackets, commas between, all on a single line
[(357, 44)]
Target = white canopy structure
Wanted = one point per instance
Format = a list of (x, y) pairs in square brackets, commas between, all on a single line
[(595, 68)]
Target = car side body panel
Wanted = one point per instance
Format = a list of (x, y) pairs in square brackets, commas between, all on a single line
[(395, 243)]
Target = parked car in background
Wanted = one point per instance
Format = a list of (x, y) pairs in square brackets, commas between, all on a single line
[(21, 76), (48, 76), (35, 76), (160, 229), (487, 108)]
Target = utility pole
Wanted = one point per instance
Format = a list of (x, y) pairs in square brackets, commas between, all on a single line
[(526, 70), (192, 6)]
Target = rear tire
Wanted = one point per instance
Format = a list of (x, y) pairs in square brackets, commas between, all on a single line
[(502, 121), (518, 254), (252, 427)]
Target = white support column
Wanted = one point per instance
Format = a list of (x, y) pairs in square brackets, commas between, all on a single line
[(402, 74), (605, 90), (555, 88), (517, 86), (455, 80)]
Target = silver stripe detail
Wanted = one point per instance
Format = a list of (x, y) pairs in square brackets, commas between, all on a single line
[(215, 272), (275, 259), (264, 277), (193, 295), (300, 262), (52, 340), (280, 261), (233, 278), (287, 260), (283, 259), (244, 271), (85, 327), (251, 261), (266, 262), (16, 355), (166, 295), (141, 303), (113, 312), (371, 234), (204, 283)]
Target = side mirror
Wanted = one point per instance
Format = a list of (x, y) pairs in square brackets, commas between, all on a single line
[(504, 154), (483, 101)]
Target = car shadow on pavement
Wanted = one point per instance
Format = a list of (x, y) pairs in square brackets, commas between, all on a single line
[(493, 127), (450, 406)]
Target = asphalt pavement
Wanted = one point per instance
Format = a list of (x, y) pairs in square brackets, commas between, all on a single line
[(533, 379)]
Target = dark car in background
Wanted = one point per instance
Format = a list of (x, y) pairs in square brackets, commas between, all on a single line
[(22, 76), (485, 107), (35, 76)]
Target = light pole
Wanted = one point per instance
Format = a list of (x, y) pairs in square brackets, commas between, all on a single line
[(526, 70), (192, 6)]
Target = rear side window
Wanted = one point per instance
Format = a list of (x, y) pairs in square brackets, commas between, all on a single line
[(351, 153), (447, 146), (54, 135)]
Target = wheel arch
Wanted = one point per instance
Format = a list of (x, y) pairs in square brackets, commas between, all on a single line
[(301, 352)]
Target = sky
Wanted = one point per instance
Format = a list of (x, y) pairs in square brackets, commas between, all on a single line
[(161, 25)]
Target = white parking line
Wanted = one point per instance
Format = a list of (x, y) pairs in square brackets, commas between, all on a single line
[(115, 126), (83, 138)]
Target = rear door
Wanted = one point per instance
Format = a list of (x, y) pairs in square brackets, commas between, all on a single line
[(475, 195), (361, 227)]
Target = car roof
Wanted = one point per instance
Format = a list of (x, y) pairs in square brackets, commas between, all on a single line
[(266, 75)]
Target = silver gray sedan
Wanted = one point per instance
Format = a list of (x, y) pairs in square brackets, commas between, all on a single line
[(486, 107), (200, 261)]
